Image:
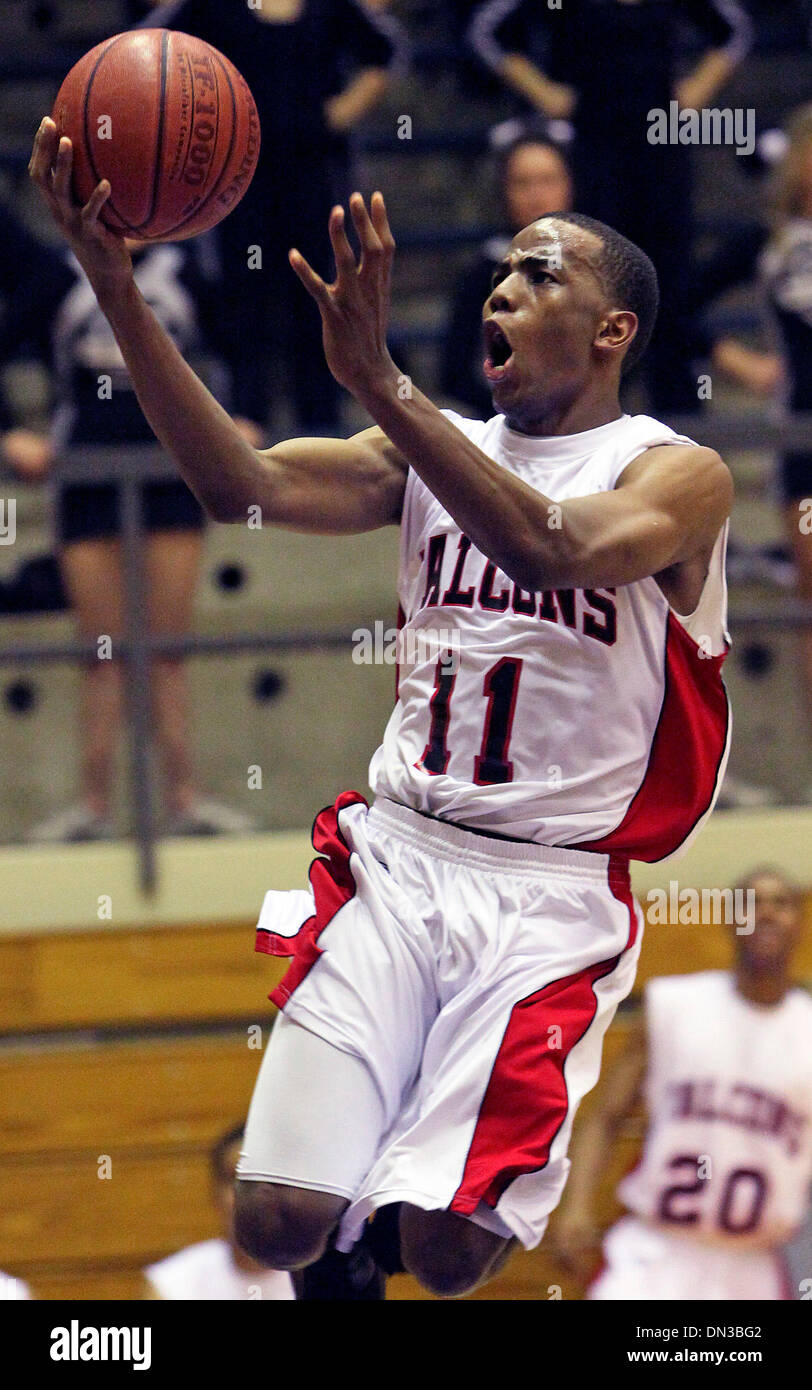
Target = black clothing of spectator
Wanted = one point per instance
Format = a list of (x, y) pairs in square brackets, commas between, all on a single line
[(21, 264), (292, 68), (461, 376)]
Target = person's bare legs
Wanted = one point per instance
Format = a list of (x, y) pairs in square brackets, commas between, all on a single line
[(173, 569), (91, 570)]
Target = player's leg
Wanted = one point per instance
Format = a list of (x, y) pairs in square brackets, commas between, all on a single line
[(91, 571), (313, 1131), (302, 221), (358, 1001), (478, 1155), (173, 567)]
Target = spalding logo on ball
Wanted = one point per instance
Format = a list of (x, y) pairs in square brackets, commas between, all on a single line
[(170, 122)]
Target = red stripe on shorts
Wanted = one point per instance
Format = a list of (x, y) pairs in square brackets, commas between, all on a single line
[(526, 1099), (333, 885)]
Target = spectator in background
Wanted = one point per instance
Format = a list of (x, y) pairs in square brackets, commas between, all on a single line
[(316, 68), (21, 263), (532, 178), (55, 315), (218, 1269), (605, 65), (787, 277)]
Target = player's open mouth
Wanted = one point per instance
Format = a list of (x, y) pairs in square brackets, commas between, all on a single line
[(499, 350)]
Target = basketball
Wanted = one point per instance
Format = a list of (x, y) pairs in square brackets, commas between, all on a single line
[(172, 125)]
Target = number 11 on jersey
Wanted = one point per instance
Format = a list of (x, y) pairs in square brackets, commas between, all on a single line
[(500, 688)]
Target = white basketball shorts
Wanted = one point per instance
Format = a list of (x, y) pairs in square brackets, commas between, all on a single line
[(643, 1262), (474, 978)]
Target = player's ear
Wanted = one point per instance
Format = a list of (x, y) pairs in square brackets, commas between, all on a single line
[(616, 330)]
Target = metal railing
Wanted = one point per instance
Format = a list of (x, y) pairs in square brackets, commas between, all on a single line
[(133, 467)]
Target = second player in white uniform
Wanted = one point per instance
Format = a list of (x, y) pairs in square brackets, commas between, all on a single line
[(723, 1180), (727, 1165)]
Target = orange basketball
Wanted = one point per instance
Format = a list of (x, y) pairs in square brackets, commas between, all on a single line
[(170, 122)]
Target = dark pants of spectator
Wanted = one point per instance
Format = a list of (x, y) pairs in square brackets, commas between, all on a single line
[(644, 191), (267, 312)]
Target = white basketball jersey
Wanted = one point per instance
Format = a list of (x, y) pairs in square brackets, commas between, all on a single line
[(207, 1271), (594, 718), (728, 1151)]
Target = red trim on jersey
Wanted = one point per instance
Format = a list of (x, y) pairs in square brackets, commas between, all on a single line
[(686, 755), (526, 1100), (333, 885)]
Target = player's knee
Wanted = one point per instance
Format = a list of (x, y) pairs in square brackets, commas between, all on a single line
[(446, 1273), (284, 1227), (448, 1266)]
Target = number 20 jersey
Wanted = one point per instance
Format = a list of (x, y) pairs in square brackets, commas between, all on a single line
[(728, 1151), (590, 718)]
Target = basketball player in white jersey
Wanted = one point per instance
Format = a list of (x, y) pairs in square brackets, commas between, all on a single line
[(465, 941), (723, 1060)]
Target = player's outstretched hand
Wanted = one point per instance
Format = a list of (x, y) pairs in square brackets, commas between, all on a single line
[(355, 308), (102, 255)]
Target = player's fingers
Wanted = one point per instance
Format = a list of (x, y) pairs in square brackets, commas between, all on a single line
[(380, 219), (96, 201), (343, 252), (62, 169), (367, 235), (312, 282)]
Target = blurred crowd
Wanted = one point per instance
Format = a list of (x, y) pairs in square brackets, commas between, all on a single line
[(581, 82)]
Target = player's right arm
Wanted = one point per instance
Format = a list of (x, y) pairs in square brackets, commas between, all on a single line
[(319, 485), (575, 1231)]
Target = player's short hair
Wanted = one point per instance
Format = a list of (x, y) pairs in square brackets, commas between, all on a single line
[(220, 1171), (630, 279)]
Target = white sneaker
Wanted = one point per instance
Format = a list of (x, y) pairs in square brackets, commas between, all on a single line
[(74, 825), (207, 817)]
